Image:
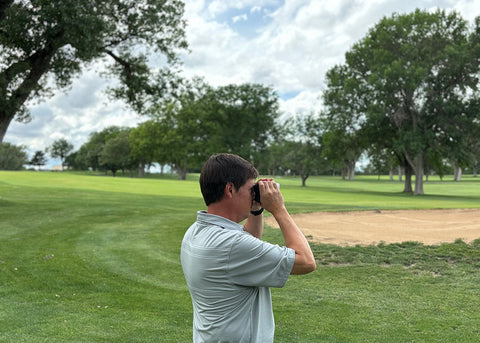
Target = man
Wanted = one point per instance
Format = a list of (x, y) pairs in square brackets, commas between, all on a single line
[(227, 267)]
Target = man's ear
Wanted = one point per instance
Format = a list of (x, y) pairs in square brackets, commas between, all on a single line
[(228, 192)]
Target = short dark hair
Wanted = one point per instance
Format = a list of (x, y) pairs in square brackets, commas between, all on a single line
[(221, 169)]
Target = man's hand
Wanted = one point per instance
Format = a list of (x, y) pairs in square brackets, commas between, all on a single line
[(271, 198)]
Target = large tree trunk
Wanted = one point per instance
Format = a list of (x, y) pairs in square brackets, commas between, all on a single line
[(304, 179), (182, 170), (350, 169), (419, 175), (457, 172), (351, 173), (407, 188), (4, 123), (141, 170)]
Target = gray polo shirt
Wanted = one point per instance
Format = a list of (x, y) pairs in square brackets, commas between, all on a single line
[(228, 273)]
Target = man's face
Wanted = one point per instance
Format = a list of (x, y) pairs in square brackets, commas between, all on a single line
[(244, 196)]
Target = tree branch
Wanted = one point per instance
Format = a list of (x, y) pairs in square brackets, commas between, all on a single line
[(117, 59)]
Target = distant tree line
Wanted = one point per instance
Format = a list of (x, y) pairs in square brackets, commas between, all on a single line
[(15, 157), (406, 99), (186, 129)]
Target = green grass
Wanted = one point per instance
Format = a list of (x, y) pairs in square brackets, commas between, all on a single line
[(366, 193), (96, 259)]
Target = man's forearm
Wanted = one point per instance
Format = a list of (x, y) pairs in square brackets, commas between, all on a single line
[(295, 239), (254, 225)]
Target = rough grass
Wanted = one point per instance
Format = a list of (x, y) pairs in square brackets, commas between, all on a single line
[(96, 259)]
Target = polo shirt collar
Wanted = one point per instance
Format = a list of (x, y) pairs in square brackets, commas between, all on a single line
[(205, 218)]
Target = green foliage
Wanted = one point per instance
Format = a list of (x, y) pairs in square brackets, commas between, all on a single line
[(12, 157), (108, 149), (202, 120), (38, 159), (145, 143), (115, 154), (344, 138), (60, 149), (244, 119)]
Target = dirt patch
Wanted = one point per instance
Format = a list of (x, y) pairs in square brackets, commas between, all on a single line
[(430, 227)]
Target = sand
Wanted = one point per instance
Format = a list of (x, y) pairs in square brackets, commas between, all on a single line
[(430, 227)]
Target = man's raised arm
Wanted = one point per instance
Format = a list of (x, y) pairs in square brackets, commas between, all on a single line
[(272, 201)]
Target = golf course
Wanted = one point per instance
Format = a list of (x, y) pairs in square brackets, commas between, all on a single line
[(95, 258)]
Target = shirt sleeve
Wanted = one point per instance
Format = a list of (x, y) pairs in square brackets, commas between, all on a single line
[(253, 262)]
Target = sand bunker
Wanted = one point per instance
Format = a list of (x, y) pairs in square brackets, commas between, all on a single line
[(371, 227)]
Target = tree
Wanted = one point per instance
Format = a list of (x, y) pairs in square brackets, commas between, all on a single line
[(147, 146), (303, 146), (344, 119), (182, 127), (115, 154), (241, 119), (203, 120), (12, 157), (415, 77), (60, 149), (38, 159), (53, 40)]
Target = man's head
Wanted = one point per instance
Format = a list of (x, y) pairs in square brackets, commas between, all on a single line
[(221, 169)]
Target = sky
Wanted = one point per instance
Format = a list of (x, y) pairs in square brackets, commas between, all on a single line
[(288, 45)]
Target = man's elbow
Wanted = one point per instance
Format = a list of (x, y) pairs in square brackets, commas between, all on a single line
[(305, 267), (310, 266)]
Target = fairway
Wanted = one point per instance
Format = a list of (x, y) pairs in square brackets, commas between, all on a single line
[(89, 258)]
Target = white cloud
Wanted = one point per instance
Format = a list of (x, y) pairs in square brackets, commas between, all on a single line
[(304, 103), (255, 9), (468, 8), (238, 18)]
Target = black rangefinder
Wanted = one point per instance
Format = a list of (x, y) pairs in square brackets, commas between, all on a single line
[(256, 191)]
